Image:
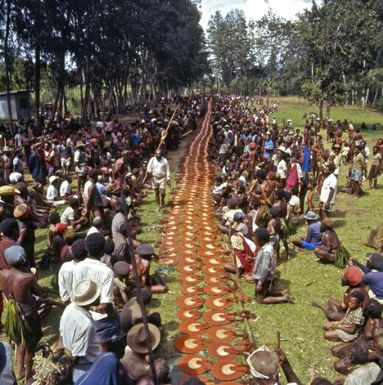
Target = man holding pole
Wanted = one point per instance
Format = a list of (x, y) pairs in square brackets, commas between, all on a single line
[(158, 169)]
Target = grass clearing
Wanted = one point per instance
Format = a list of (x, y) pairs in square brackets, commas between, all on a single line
[(300, 325)]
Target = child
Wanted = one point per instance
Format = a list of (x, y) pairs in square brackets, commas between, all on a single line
[(294, 208), (310, 194)]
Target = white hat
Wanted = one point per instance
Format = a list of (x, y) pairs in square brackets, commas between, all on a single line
[(86, 292), (15, 177), (53, 178)]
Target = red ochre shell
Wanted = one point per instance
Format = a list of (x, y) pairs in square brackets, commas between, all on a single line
[(194, 364), (189, 344), (227, 369)]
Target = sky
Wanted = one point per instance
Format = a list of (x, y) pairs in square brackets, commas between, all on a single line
[(254, 9)]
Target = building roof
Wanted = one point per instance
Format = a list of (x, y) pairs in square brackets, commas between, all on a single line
[(15, 92)]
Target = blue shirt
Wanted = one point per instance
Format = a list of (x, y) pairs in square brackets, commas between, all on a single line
[(313, 232), (374, 280), (306, 159), (269, 147)]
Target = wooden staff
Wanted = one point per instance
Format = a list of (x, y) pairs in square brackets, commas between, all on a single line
[(138, 286), (246, 321), (168, 127), (163, 137)]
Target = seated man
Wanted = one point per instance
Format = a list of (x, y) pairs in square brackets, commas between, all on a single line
[(373, 276), (327, 251), (144, 255), (244, 254), (313, 236), (228, 216), (70, 215), (265, 365), (77, 329), (335, 310), (135, 361), (264, 272)]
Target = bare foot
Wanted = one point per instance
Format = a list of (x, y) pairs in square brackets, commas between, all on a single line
[(290, 298)]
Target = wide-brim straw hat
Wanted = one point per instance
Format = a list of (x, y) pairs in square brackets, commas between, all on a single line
[(86, 292), (136, 338), (80, 143), (20, 210), (8, 190)]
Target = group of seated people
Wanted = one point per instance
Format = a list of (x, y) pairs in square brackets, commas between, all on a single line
[(101, 271), (269, 179)]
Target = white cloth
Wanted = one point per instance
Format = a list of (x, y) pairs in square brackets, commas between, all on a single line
[(65, 280), (87, 185), (228, 216), (159, 168), (329, 183), (294, 206), (52, 193), (65, 188), (67, 216), (282, 169), (92, 230), (100, 273), (363, 374), (79, 333)]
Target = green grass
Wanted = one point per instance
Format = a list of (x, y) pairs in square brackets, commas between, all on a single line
[(300, 324), (294, 108)]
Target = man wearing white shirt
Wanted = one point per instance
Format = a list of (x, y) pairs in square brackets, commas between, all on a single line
[(158, 169), (281, 165), (328, 191)]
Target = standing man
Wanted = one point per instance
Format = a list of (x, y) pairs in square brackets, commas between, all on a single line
[(158, 169), (80, 164), (328, 191), (358, 167)]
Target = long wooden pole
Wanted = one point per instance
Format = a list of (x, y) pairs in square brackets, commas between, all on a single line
[(138, 286), (163, 137), (168, 127)]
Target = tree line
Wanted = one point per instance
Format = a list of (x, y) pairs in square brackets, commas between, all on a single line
[(332, 53), (117, 52)]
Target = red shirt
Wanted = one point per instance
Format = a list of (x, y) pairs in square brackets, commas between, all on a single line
[(4, 244)]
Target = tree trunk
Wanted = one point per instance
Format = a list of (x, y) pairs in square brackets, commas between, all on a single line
[(81, 88), (375, 97), (65, 112), (321, 112), (60, 57), (37, 82), (7, 58), (84, 112)]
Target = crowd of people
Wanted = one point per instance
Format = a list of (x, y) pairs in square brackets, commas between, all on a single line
[(273, 178), (84, 184)]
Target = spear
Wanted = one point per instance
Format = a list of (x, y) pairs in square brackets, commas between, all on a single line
[(164, 135)]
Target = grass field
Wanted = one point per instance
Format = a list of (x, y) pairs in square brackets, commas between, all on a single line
[(299, 324)]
